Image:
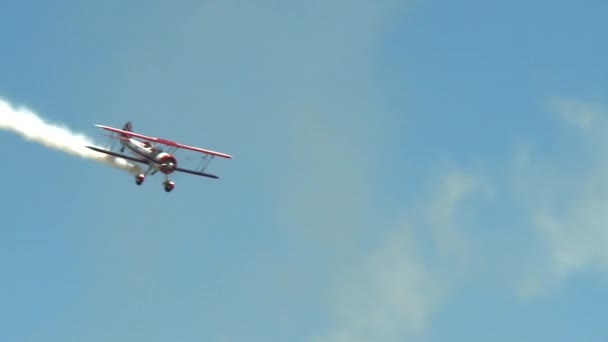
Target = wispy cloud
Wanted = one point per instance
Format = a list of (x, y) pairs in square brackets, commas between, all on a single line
[(566, 203), (388, 295), (394, 291), (584, 115), (453, 190)]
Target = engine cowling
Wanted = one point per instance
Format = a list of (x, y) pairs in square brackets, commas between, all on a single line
[(166, 162), (139, 178)]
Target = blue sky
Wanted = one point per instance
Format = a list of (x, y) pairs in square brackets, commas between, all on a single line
[(404, 171)]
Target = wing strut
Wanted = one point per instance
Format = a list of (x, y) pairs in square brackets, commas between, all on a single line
[(205, 161)]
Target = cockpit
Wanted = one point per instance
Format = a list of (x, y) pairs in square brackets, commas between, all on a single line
[(147, 145)]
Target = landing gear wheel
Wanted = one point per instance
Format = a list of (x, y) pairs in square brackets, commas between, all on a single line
[(169, 186)]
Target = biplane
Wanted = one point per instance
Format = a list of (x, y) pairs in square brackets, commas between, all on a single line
[(157, 159)]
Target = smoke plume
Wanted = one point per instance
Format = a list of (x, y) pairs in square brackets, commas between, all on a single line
[(31, 127)]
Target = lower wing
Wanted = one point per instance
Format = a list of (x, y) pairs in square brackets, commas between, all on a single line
[(119, 155), (143, 161), (192, 172)]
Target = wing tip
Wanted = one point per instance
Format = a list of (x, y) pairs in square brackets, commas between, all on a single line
[(218, 154)]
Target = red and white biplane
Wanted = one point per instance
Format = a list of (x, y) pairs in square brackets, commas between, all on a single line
[(156, 158)]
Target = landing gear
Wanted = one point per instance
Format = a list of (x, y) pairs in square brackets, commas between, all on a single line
[(169, 185), (139, 178)]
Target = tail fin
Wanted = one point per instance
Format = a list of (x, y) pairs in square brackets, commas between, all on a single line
[(128, 127)]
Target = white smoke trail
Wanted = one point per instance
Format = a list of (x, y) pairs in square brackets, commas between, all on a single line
[(31, 127)]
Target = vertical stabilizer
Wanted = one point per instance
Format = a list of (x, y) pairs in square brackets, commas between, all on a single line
[(128, 127)]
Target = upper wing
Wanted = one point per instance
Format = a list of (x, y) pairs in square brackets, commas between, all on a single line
[(165, 142)]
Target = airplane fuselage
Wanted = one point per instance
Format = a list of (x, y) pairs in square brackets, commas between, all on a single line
[(158, 159)]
